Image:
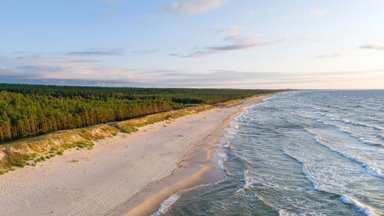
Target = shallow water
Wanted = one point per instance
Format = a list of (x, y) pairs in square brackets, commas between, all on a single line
[(298, 153)]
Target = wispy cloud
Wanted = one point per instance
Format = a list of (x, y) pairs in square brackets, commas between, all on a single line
[(66, 68), (232, 47), (27, 56), (377, 47), (233, 41), (318, 12), (97, 52), (194, 6), (331, 55), (145, 51), (68, 71)]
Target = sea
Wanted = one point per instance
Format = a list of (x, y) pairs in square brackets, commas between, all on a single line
[(297, 153)]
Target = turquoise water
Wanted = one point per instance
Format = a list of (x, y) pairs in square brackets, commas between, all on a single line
[(298, 153)]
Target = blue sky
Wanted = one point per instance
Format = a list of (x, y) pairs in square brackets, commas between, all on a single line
[(194, 43)]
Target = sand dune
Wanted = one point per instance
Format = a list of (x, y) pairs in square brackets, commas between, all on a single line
[(128, 173)]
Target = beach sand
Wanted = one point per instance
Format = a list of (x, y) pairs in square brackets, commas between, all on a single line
[(124, 175)]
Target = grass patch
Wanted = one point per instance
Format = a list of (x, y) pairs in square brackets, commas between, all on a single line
[(130, 129), (131, 126), (18, 162), (84, 144), (3, 171)]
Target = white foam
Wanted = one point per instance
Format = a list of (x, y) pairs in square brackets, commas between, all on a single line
[(283, 212), (221, 164), (371, 167), (381, 135), (167, 204), (248, 178), (361, 207), (348, 121), (220, 155), (351, 133), (314, 183), (223, 157), (231, 131)]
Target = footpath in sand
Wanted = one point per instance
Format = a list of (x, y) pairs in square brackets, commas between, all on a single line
[(128, 173)]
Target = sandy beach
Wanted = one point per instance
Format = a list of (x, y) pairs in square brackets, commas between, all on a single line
[(124, 175)]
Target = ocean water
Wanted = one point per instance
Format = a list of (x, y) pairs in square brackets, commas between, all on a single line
[(298, 153)]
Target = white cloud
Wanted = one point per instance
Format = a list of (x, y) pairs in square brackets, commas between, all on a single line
[(376, 47), (97, 52), (194, 6), (232, 41), (241, 44), (318, 12), (332, 55)]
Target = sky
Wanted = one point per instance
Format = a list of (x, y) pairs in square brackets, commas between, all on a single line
[(309, 44)]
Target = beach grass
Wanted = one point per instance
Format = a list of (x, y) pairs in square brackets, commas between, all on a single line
[(30, 151)]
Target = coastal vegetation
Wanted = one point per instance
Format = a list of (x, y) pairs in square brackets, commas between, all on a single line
[(92, 114), (29, 110)]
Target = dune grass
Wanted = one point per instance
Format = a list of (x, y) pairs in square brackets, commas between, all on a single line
[(133, 125), (30, 151)]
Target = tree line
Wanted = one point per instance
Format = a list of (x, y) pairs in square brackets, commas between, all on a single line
[(29, 110)]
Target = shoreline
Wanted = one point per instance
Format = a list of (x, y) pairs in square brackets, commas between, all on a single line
[(124, 172), (152, 202)]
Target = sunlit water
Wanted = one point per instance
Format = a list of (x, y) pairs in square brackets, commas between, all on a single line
[(298, 153)]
